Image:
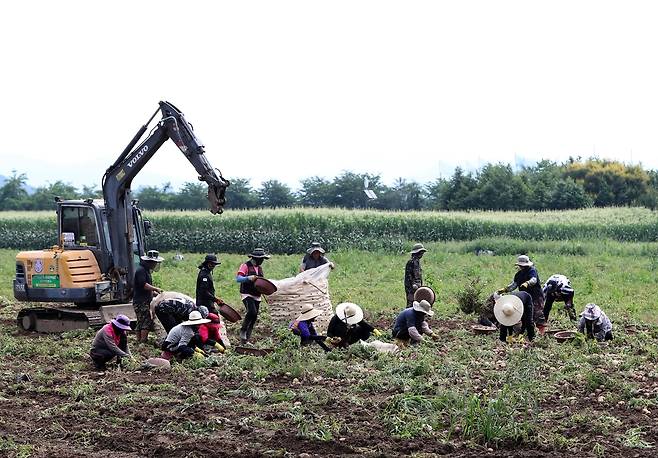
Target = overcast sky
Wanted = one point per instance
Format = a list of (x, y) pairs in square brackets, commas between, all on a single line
[(291, 89)]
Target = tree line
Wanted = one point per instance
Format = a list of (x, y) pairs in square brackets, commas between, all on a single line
[(546, 185)]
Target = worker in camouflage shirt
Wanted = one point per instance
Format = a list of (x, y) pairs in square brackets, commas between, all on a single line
[(413, 273)]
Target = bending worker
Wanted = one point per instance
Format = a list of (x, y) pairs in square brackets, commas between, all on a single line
[(527, 279), (411, 324), (347, 326)]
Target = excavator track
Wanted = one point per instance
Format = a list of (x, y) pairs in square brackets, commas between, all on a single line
[(61, 319)]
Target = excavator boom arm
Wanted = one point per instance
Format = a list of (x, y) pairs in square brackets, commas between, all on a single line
[(118, 179)]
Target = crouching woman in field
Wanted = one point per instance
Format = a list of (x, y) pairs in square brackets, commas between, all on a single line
[(111, 341), (303, 327), (210, 334), (411, 324), (183, 340), (594, 323), (510, 309)]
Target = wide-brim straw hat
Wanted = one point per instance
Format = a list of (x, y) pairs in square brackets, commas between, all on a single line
[(152, 255), (418, 248), (508, 310), (309, 312), (349, 313), (423, 306), (592, 312), (195, 318), (524, 261), (258, 253)]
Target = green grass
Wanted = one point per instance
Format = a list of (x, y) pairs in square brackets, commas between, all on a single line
[(466, 391)]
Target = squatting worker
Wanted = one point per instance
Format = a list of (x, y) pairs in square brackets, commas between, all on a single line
[(558, 288), (205, 288), (143, 290), (303, 327), (411, 324), (247, 275), (527, 279), (413, 273), (111, 341), (313, 258), (183, 340), (510, 309), (347, 326), (595, 323)]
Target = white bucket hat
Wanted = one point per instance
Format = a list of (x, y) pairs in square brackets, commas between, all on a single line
[(195, 318), (524, 261), (592, 312), (349, 313), (423, 306), (152, 255), (309, 312), (508, 310)]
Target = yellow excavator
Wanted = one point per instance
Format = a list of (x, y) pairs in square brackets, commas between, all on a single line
[(100, 241)]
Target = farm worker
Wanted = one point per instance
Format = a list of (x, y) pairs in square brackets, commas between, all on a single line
[(313, 258), (347, 326), (247, 275), (303, 327), (411, 324), (111, 340), (205, 289), (183, 340), (527, 279), (595, 323), (558, 288), (143, 293), (210, 333), (510, 309), (172, 308), (413, 273)]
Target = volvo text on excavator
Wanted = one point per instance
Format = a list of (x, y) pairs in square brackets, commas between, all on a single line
[(100, 241)]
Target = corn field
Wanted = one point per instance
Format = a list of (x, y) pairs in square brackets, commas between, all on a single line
[(289, 230)]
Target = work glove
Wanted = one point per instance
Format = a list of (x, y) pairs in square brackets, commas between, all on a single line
[(332, 265), (525, 285), (200, 352), (509, 339), (198, 356), (252, 278), (377, 332), (218, 347), (414, 287), (501, 290), (434, 336)]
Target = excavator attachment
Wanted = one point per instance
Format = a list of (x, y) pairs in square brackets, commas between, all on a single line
[(216, 197)]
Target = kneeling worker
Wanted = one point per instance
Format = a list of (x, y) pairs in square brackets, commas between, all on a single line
[(594, 323), (411, 324), (111, 340), (347, 326), (183, 340)]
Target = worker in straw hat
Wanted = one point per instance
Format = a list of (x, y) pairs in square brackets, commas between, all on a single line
[(183, 340), (413, 272), (246, 276), (511, 309), (143, 290), (347, 326), (314, 257), (303, 327), (411, 324), (595, 323), (527, 279)]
